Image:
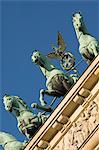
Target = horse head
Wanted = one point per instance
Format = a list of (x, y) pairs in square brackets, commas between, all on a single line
[(14, 103), (42, 60), (37, 58), (7, 100), (77, 20)]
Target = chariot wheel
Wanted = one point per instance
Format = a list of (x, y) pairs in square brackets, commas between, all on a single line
[(68, 61)]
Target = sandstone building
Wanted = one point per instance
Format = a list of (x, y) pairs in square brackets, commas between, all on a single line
[(74, 125)]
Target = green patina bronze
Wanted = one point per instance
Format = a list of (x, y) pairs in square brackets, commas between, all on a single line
[(28, 123), (9, 142), (89, 46), (58, 83)]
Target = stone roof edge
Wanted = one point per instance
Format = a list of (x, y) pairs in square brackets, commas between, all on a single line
[(58, 111)]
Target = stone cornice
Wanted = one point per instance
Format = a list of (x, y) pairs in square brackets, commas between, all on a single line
[(68, 110)]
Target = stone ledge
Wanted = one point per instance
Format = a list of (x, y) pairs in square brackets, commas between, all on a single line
[(93, 141), (66, 108)]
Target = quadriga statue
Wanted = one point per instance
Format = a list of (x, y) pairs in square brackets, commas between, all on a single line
[(88, 45), (28, 123), (58, 83)]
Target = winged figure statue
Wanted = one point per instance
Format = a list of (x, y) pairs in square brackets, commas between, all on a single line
[(67, 60)]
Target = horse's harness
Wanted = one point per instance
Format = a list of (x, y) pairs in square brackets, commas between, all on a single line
[(33, 125), (39, 118), (80, 36), (23, 124), (15, 108)]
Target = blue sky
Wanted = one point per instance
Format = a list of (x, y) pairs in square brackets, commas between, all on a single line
[(29, 25)]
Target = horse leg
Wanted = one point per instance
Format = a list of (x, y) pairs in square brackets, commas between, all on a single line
[(86, 58), (95, 50), (43, 103), (49, 92), (40, 107)]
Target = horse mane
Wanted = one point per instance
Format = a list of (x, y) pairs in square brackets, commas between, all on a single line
[(48, 63), (22, 102)]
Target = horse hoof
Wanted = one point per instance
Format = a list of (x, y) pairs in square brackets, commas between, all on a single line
[(34, 105)]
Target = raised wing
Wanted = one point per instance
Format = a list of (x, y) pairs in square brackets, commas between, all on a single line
[(53, 55), (60, 42)]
